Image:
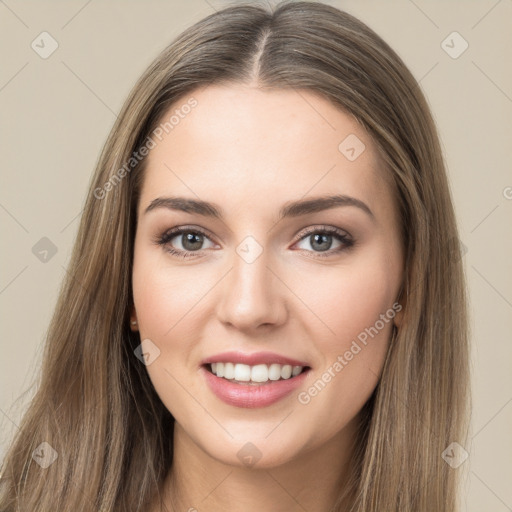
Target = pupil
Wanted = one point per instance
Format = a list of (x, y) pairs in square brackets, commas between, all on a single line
[(189, 241), (323, 238)]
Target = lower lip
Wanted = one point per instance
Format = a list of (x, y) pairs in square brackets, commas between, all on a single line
[(250, 395)]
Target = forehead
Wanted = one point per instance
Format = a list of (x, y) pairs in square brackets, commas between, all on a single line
[(239, 141)]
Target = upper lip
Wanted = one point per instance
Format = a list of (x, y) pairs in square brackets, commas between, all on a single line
[(252, 359)]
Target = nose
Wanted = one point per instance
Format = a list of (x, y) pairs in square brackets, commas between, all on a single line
[(251, 295)]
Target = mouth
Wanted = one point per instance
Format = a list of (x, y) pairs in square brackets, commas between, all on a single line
[(255, 375), (253, 380)]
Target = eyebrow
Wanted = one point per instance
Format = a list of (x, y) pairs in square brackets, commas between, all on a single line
[(290, 209)]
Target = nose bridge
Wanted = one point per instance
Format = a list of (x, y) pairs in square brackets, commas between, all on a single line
[(251, 295)]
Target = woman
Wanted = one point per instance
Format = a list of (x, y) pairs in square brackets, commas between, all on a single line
[(265, 307)]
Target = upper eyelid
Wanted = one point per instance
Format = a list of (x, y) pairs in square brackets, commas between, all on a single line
[(324, 227), (177, 230)]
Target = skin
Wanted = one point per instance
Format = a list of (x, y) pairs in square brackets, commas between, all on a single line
[(250, 152)]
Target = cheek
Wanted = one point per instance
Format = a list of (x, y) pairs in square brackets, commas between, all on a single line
[(171, 304), (351, 328), (159, 301), (165, 298), (345, 302)]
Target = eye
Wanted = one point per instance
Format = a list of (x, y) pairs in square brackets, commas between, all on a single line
[(321, 240), (190, 240)]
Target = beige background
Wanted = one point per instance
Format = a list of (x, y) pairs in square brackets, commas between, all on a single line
[(56, 114)]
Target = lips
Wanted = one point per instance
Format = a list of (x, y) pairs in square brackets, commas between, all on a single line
[(252, 395)]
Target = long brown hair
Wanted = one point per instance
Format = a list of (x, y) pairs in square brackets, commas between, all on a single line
[(95, 405)]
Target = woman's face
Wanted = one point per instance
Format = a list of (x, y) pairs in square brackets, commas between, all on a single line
[(315, 288)]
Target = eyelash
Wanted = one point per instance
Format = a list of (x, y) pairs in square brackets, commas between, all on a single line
[(166, 237)]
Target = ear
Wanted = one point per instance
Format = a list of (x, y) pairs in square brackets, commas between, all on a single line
[(133, 319)]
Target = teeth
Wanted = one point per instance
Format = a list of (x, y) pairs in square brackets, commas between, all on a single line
[(257, 373), (274, 372), (296, 370), (229, 371), (286, 371), (242, 372)]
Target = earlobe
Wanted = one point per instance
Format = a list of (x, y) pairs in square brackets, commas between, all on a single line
[(133, 319)]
